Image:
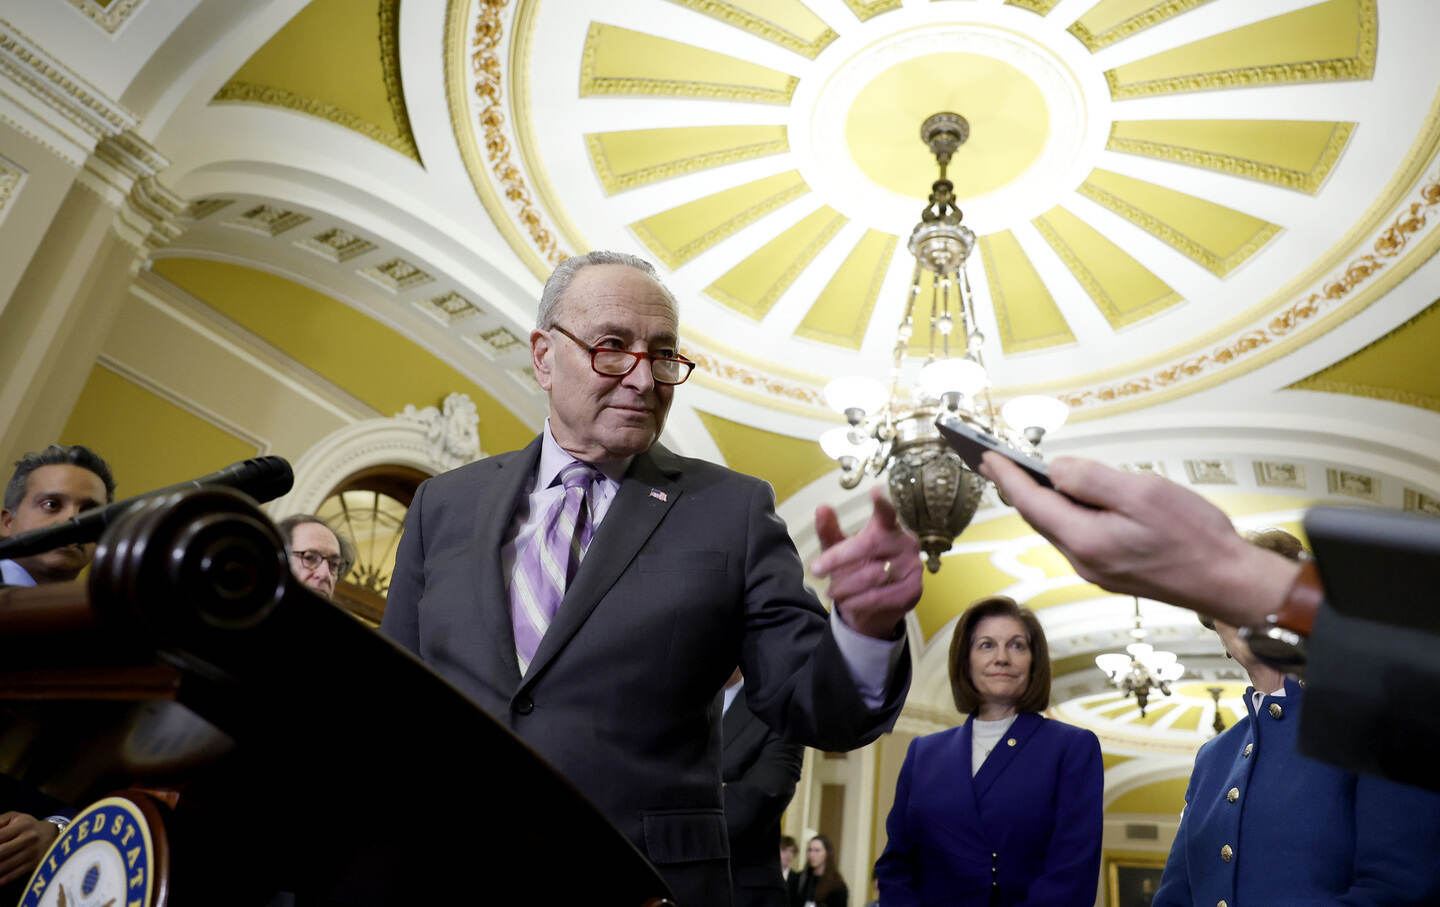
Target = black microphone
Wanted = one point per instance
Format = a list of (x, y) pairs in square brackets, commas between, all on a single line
[(263, 478)]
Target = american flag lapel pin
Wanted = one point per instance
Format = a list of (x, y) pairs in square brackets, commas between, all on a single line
[(658, 495)]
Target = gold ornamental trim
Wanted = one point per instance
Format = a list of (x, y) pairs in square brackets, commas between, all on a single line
[(756, 386), (390, 73), (1374, 392), (476, 54), (761, 28), (865, 9), (1307, 181), (10, 177), (1407, 175), (1142, 20), (1177, 240), (1042, 7), (518, 96), (619, 182), (109, 16), (1392, 257), (1360, 66), (269, 95)]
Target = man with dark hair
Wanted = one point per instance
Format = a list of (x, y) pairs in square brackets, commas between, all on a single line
[(593, 591), (319, 556), (47, 488)]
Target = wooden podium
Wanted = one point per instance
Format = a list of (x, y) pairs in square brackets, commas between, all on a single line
[(289, 747)]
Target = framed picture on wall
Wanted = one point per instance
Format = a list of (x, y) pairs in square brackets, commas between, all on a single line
[(1131, 880)]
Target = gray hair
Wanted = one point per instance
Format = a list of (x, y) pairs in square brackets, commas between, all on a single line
[(565, 272), (287, 528), (56, 455)]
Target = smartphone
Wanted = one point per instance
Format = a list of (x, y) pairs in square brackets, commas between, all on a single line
[(971, 443)]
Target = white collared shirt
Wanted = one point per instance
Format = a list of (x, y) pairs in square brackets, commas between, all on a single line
[(12, 574), (871, 661)]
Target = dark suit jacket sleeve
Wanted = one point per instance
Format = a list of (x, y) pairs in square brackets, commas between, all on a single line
[(1397, 838), (796, 680), (407, 581), (758, 797), (895, 870), (1072, 861)]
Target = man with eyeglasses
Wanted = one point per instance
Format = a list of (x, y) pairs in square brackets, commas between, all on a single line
[(319, 557), (594, 590), (49, 487)]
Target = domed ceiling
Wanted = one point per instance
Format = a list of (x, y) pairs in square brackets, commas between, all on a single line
[(1167, 195), (1208, 225)]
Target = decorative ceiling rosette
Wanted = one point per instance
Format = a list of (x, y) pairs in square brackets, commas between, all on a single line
[(1167, 194)]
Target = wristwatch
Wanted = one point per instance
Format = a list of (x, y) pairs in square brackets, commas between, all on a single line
[(60, 822), (1280, 641)]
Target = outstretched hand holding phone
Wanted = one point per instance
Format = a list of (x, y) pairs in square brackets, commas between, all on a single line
[(1147, 536)]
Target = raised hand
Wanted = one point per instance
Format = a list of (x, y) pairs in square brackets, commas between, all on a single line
[(875, 574)]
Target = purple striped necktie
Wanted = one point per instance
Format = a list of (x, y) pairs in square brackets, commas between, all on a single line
[(549, 560)]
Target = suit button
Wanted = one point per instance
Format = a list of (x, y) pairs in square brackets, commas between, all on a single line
[(1249, 748), (1232, 794), (1226, 853), (524, 704), (1276, 711)]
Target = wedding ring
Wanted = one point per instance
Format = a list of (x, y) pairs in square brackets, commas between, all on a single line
[(889, 576)]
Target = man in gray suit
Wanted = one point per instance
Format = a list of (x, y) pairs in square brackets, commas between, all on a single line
[(593, 590)]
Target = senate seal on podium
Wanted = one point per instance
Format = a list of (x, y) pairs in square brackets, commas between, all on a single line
[(111, 855)]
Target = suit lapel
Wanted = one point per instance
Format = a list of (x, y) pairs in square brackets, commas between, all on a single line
[(632, 518), (503, 487), (1025, 726)]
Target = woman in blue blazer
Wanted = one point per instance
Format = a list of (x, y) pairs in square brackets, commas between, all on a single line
[(1005, 809), (1265, 825)]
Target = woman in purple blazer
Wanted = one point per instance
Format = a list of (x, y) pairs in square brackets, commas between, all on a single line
[(1005, 809)]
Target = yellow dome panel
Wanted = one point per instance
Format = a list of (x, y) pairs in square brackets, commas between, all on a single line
[(788, 23), (1400, 367), (1295, 154), (338, 61), (1009, 123), (787, 463), (619, 61), (841, 313), (1215, 237), (141, 434), (337, 342), (1025, 311), (930, 302), (754, 285), (965, 578), (1079, 592), (1165, 798), (637, 157), (1112, 20), (682, 232), (1122, 289), (1322, 43)]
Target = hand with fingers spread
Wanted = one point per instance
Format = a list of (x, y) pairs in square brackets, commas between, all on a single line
[(874, 574), (1147, 536)]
